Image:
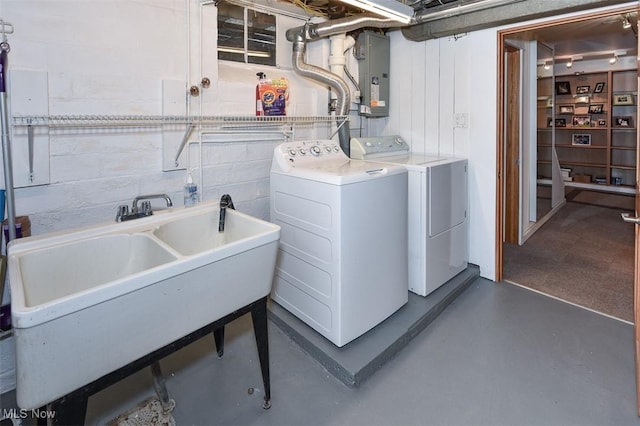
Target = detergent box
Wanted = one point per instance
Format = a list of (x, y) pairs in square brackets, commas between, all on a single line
[(272, 94)]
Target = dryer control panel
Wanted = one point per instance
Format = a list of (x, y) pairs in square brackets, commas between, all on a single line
[(369, 148), (297, 153)]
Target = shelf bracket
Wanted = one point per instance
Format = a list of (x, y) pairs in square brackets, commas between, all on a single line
[(185, 138), (31, 148)]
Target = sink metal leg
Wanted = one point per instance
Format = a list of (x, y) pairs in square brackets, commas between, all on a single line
[(218, 337), (161, 388), (259, 319)]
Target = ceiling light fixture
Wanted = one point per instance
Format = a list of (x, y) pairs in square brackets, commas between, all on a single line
[(570, 63), (626, 24), (391, 9), (547, 65), (614, 59)]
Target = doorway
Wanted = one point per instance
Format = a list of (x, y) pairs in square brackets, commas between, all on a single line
[(576, 247)]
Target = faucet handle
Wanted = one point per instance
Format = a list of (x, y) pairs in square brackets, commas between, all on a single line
[(145, 207), (123, 210)]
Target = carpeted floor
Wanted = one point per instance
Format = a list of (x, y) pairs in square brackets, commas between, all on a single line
[(584, 254)]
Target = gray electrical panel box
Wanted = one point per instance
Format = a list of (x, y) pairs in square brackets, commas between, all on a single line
[(373, 60)]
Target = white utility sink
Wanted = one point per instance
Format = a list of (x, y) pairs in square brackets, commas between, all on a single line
[(87, 302)]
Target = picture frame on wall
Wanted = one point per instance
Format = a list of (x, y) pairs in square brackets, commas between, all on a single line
[(625, 99), (583, 139), (623, 121), (582, 99), (561, 122), (563, 88), (549, 121), (581, 90), (565, 109), (550, 103), (581, 121), (602, 123), (599, 87), (596, 108)]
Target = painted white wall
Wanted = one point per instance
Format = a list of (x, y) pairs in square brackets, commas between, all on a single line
[(452, 76), (111, 57)]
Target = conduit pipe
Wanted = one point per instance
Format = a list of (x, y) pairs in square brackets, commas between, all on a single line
[(299, 36)]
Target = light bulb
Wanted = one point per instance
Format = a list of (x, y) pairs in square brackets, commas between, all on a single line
[(570, 63), (613, 60)]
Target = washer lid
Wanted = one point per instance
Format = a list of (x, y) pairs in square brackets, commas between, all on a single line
[(324, 161), (342, 173)]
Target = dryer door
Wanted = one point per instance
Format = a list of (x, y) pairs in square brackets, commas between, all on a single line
[(447, 196)]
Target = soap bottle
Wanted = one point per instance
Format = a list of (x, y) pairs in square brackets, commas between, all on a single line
[(190, 192)]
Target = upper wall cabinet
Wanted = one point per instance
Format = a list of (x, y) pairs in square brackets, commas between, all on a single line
[(593, 118)]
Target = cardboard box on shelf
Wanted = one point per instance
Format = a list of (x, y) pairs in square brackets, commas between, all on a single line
[(582, 178)]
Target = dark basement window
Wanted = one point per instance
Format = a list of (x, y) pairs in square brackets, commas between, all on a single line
[(246, 35)]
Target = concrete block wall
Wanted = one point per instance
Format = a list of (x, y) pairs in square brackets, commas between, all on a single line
[(111, 57)]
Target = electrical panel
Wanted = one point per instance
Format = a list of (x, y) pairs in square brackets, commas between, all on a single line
[(372, 53)]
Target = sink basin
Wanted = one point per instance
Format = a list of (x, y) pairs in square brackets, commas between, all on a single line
[(89, 301), (199, 233), (52, 273)]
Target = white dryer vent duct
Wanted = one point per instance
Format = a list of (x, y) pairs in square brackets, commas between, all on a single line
[(299, 36)]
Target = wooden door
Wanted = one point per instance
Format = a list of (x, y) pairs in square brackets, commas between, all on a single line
[(636, 277), (512, 139)]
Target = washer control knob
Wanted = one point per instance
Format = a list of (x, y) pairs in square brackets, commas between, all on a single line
[(315, 150), (327, 148), (336, 148), (292, 152), (399, 141), (368, 144), (302, 151)]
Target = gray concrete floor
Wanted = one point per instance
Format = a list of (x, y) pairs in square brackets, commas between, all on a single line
[(498, 355)]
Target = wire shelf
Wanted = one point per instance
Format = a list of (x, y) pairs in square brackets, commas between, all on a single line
[(160, 120)]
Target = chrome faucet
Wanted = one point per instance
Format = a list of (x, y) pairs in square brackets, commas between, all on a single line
[(142, 211), (225, 202)]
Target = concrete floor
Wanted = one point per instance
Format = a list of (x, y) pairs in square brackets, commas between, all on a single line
[(499, 354)]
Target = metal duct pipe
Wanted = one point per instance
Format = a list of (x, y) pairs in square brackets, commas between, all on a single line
[(311, 32), (300, 35), (330, 79)]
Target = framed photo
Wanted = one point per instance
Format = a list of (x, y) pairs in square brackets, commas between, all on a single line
[(563, 88), (596, 108), (565, 109), (581, 121), (561, 122), (622, 100), (599, 87), (580, 139), (581, 90), (622, 121), (582, 99), (602, 123), (549, 121), (549, 102)]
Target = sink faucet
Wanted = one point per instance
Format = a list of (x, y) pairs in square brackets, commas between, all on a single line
[(142, 211), (225, 202)]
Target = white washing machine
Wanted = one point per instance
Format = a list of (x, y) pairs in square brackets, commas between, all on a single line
[(437, 209), (342, 265)]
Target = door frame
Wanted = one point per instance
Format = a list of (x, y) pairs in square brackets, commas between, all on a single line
[(502, 35), (500, 163)]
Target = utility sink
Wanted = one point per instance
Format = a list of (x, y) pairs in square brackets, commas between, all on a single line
[(86, 302)]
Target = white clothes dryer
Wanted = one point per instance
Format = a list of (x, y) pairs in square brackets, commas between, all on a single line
[(342, 264), (436, 209)]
